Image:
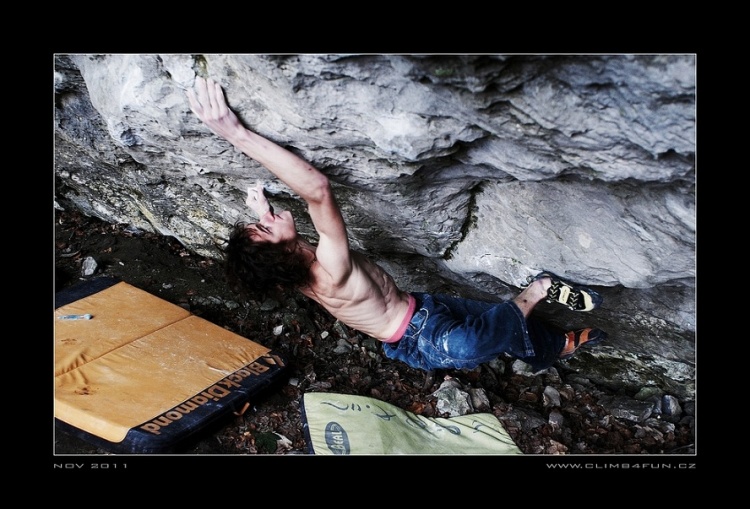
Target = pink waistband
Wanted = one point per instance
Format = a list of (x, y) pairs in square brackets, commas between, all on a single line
[(405, 323)]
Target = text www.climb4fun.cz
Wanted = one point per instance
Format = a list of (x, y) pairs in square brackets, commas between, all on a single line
[(624, 466)]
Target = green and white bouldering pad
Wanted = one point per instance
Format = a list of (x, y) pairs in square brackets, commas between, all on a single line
[(344, 424)]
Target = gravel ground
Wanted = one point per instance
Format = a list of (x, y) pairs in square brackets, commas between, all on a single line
[(578, 428)]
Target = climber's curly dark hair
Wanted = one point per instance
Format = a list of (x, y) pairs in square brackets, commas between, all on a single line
[(258, 269)]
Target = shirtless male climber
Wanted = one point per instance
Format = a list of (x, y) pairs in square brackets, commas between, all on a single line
[(425, 331)]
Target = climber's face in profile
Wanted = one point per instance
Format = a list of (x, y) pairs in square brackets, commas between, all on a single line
[(274, 228)]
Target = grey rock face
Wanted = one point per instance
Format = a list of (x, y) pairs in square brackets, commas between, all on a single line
[(462, 174)]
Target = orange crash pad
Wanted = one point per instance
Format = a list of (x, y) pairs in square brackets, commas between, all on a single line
[(137, 374)]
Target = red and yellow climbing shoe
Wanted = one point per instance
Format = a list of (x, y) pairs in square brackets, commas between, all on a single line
[(578, 338)]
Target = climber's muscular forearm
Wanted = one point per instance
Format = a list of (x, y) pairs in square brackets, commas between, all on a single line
[(208, 103)]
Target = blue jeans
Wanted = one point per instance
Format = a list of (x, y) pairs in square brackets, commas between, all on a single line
[(453, 333)]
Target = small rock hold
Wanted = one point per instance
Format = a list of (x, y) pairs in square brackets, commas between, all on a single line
[(452, 400), (479, 399), (556, 419), (342, 347), (521, 368), (89, 266), (627, 408), (551, 397), (670, 408)]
